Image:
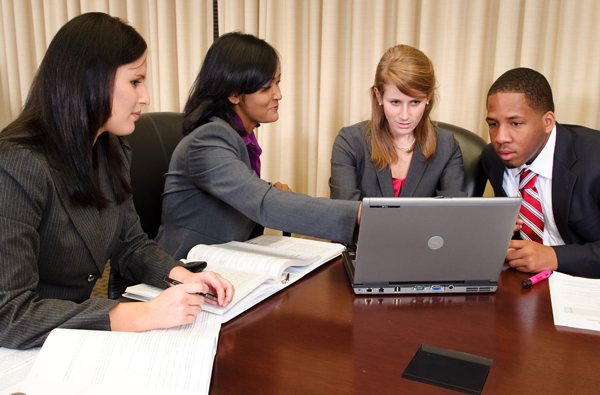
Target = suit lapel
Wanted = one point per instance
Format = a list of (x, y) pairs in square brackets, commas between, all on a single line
[(415, 173), (98, 230), (386, 185), (85, 221), (496, 179), (384, 177), (496, 171), (563, 180)]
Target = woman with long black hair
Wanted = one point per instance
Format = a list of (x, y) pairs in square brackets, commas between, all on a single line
[(65, 200)]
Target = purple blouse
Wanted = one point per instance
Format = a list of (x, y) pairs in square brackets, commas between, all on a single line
[(254, 152), (252, 146)]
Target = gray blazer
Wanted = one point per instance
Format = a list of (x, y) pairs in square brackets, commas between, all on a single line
[(353, 175), (52, 253), (212, 196)]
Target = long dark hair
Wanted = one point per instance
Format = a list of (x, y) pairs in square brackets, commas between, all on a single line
[(235, 63), (71, 99)]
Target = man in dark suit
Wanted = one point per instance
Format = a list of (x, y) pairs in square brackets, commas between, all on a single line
[(553, 168)]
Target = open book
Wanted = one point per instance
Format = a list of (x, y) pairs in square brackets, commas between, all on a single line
[(159, 362), (257, 268)]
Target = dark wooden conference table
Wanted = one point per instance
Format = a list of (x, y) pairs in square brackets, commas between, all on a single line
[(317, 337)]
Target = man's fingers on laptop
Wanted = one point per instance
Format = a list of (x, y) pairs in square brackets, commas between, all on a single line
[(517, 228)]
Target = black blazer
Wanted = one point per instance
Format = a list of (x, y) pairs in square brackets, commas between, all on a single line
[(52, 253), (575, 196)]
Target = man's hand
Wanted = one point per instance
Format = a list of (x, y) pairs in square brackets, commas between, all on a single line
[(531, 257), (518, 226)]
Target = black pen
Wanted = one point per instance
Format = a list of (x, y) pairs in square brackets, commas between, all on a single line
[(170, 282)]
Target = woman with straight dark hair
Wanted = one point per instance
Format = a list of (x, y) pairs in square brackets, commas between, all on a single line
[(399, 152), (213, 191), (66, 204)]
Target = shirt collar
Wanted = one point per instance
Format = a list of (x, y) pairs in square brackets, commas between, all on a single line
[(250, 139)]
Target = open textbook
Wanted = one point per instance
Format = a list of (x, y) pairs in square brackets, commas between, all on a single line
[(257, 268), (575, 301), (159, 362)]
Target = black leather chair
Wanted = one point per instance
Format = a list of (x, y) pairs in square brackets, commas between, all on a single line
[(152, 143), (471, 146)]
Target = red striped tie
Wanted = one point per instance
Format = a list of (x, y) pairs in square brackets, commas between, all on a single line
[(531, 209)]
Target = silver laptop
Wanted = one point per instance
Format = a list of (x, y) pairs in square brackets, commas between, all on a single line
[(431, 245)]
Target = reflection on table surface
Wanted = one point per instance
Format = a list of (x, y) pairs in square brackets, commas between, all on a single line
[(317, 337), (424, 300)]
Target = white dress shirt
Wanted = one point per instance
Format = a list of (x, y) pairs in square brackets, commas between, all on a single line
[(542, 166)]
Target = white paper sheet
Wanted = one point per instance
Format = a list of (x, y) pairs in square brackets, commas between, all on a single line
[(160, 362), (15, 365), (575, 301)]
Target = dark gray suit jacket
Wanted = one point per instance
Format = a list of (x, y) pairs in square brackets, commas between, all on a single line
[(575, 196), (354, 176), (52, 253), (213, 196)]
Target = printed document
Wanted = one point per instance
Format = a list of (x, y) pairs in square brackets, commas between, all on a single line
[(575, 301), (159, 362)]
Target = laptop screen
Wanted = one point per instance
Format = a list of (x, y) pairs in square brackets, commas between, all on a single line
[(424, 240)]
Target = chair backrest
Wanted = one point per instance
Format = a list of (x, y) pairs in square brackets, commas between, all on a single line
[(152, 143), (471, 146)]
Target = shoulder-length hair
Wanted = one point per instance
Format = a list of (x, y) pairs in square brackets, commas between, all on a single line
[(235, 64), (71, 99), (412, 72)]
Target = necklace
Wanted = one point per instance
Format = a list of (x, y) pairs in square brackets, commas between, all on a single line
[(407, 149)]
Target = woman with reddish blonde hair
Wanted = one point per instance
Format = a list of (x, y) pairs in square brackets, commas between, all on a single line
[(399, 151)]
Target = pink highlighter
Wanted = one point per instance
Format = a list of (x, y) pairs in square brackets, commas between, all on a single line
[(536, 279)]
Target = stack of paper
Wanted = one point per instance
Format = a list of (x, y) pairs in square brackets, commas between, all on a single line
[(159, 362), (575, 301)]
